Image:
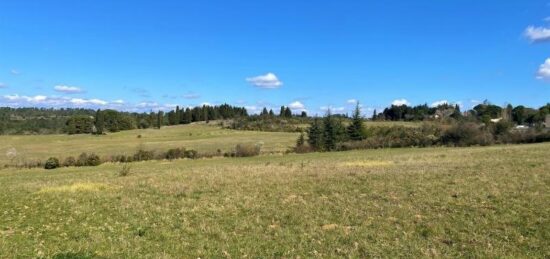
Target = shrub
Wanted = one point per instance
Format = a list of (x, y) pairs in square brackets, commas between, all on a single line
[(467, 134), (88, 160), (51, 163), (143, 155), (191, 154), (247, 150), (93, 160), (82, 159), (125, 170), (175, 153), (69, 161)]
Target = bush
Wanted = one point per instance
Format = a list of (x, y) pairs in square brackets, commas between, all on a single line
[(247, 150), (88, 160), (191, 154), (93, 160), (143, 155), (69, 161), (175, 153), (467, 134), (51, 163), (125, 170)]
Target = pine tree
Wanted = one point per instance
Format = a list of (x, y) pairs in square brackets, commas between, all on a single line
[(282, 112), (288, 113), (355, 130), (301, 140), (374, 115), (271, 113), (304, 114), (329, 133), (264, 112), (315, 135)]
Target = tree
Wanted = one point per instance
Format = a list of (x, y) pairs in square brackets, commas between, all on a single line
[(271, 113), (374, 115), (355, 129), (282, 112), (288, 113), (301, 140), (160, 118), (329, 132), (264, 112), (315, 135), (79, 124), (99, 122), (304, 114)]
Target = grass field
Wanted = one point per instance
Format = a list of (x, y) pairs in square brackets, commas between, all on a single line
[(433, 202), (201, 137)]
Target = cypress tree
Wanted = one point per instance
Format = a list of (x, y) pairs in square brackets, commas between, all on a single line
[(99, 122), (282, 112), (374, 115), (271, 113)]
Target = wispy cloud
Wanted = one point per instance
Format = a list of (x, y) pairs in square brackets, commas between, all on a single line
[(68, 89), (3, 85), (352, 101), (544, 70), (537, 34), (15, 72), (438, 103), (400, 102), (191, 95), (267, 81)]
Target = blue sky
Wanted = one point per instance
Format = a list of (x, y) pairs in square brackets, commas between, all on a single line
[(143, 55)]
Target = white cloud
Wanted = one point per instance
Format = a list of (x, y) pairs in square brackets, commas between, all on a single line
[(437, 103), (547, 19), (544, 70), (3, 85), (267, 81), (68, 89), (297, 106), (537, 34), (15, 72), (351, 101), (118, 102), (400, 102), (80, 101)]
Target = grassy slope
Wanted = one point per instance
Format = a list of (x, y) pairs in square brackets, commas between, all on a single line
[(198, 136), (473, 202)]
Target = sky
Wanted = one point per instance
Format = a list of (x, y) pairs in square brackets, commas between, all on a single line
[(309, 55)]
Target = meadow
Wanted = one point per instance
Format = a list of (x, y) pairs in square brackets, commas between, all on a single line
[(199, 136), (430, 202)]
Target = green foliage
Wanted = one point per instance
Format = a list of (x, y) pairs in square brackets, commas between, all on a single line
[(79, 124), (315, 135), (143, 155), (356, 131), (467, 134), (51, 163)]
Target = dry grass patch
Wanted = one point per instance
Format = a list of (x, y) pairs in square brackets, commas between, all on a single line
[(77, 187)]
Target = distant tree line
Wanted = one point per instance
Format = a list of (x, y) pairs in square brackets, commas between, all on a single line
[(484, 112)]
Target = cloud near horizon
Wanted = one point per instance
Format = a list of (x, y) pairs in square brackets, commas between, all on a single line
[(400, 102), (267, 81), (68, 89)]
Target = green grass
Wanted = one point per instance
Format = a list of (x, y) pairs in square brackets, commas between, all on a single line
[(201, 137), (433, 202)]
